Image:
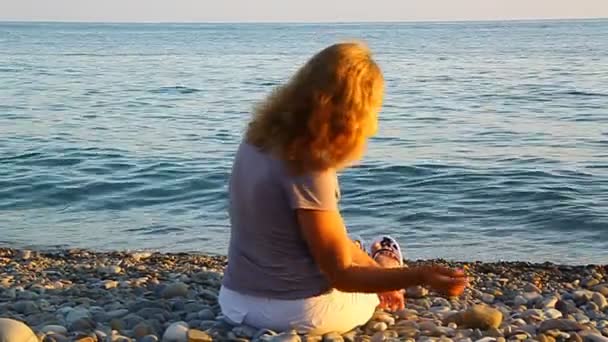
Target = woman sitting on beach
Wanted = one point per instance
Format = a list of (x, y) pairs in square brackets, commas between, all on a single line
[(291, 264)]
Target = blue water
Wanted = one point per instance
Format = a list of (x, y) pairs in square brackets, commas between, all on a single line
[(493, 141)]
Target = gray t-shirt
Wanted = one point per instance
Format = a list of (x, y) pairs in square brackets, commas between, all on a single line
[(267, 256)]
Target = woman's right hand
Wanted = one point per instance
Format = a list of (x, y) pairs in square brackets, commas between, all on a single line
[(446, 281)]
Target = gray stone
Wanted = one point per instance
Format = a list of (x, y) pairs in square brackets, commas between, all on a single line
[(581, 318), (26, 307), (15, 331), (148, 338), (600, 300), (379, 326), (384, 317), (143, 329), (83, 324), (176, 332), (531, 288), (553, 313), (173, 290), (131, 320), (378, 337), (582, 295), (532, 297), (560, 324), (116, 313), (157, 313), (487, 298), (109, 270), (208, 294), (312, 338), (589, 336), (51, 337), (206, 314), (76, 314), (549, 302), (350, 336), (244, 331), (417, 292), (263, 332), (333, 337), (286, 337), (53, 328), (520, 300)]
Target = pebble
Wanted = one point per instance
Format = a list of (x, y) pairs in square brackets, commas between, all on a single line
[(487, 298), (244, 331), (520, 300), (173, 290), (109, 284), (599, 300), (553, 313), (51, 328), (417, 292), (379, 326), (176, 332), (148, 338), (83, 294), (560, 324), (477, 317), (333, 337), (195, 335), (549, 303), (110, 270), (286, 337)]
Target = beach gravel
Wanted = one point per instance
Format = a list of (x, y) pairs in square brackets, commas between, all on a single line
[(86, 296)]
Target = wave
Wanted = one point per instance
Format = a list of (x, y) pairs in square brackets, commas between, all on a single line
[(175, 90)]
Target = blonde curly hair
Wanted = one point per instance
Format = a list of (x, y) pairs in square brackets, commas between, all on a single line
[(323, 116)]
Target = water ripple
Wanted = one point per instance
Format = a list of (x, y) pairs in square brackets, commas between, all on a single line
[(496, 151)]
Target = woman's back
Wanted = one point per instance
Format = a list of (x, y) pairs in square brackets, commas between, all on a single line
[(268, 256)]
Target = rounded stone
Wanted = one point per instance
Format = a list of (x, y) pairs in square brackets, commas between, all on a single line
[(15, 331), (333, 337), (173, 290), (553, 313), (600, 300), (206, 315), (148, 338), (244, 331), (195, 335), (487, 298), (53, 328), (176, 332), (379, 326)]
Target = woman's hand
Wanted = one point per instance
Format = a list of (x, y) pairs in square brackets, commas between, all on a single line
[(392, 300), (446, 281)]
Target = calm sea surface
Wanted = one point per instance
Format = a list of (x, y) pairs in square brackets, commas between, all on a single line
[(493, 141)]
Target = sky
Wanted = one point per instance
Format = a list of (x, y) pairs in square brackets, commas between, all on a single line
[(296, 10)]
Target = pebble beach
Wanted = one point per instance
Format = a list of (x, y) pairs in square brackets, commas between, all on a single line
[(86, 296)]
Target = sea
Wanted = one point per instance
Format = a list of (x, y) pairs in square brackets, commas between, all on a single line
[(493, 139)]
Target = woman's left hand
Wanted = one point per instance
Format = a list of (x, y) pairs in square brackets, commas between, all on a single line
[(392, 300)]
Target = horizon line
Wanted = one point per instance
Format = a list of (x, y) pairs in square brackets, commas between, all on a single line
[(412, 21)]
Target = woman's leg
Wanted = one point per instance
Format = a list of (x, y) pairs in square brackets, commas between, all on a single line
[(332, 312)]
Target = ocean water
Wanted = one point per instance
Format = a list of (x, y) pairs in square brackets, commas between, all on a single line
[(493, 141)]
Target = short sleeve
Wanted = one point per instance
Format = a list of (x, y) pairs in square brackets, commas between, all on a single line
[(316, 190)]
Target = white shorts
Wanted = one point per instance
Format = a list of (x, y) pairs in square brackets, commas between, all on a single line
[(332, 312)]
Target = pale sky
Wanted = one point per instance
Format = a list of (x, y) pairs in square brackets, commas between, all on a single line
[(296, 10)]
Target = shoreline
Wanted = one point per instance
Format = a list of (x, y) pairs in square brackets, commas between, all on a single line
[(97, 296), (58, 249)]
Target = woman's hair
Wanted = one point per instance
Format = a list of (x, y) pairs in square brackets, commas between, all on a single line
[(327, 110)]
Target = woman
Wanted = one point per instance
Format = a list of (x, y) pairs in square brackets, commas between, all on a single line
[(291, 264)]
